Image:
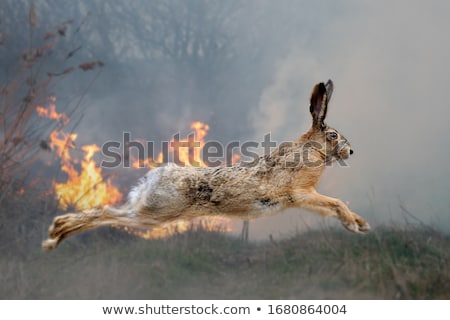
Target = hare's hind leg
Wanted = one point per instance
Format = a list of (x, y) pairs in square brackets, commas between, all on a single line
[(333, 207), (69, 224)]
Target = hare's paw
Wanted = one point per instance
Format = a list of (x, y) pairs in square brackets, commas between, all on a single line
[(363, 226), (60, 224), (355, 223), (50, 244), (54, 233)]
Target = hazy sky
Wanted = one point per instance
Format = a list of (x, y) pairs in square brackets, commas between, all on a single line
[(390, 64), (389, 61)]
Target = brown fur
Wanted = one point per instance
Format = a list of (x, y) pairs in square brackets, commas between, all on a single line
[(286, 178)]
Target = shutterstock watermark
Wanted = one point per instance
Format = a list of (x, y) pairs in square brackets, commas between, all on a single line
[(191, 152)]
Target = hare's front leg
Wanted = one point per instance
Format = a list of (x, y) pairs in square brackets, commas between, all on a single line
[(333, 207)]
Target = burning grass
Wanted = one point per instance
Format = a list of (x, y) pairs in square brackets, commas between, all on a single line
[(85, 187)]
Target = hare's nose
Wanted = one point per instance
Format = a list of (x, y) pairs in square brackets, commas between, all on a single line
[(351, 151)]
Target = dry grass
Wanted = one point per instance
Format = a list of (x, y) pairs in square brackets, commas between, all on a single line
[(390, 263)]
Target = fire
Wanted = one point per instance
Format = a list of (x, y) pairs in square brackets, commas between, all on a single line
[(178, 227), (201, 130), (63, 142), (51, 113), (235, 158), (85, 186), (189, 152)]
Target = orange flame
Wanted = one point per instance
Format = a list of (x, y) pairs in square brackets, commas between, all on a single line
[(51, 113), (85, 188), (178, 227), (63, 143), (195, 145), (235, 158)]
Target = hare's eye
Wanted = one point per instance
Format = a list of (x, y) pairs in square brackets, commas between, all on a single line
[(332, 135)]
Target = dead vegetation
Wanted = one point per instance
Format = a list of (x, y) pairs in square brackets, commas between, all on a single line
[(408, 262), (29, 84)]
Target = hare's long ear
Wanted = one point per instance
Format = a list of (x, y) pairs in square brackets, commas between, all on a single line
[(320, 97)]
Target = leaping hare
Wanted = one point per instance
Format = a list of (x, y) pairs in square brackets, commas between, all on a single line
[(286, 178)]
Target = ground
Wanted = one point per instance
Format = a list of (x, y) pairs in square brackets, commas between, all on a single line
[(390, 263)]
